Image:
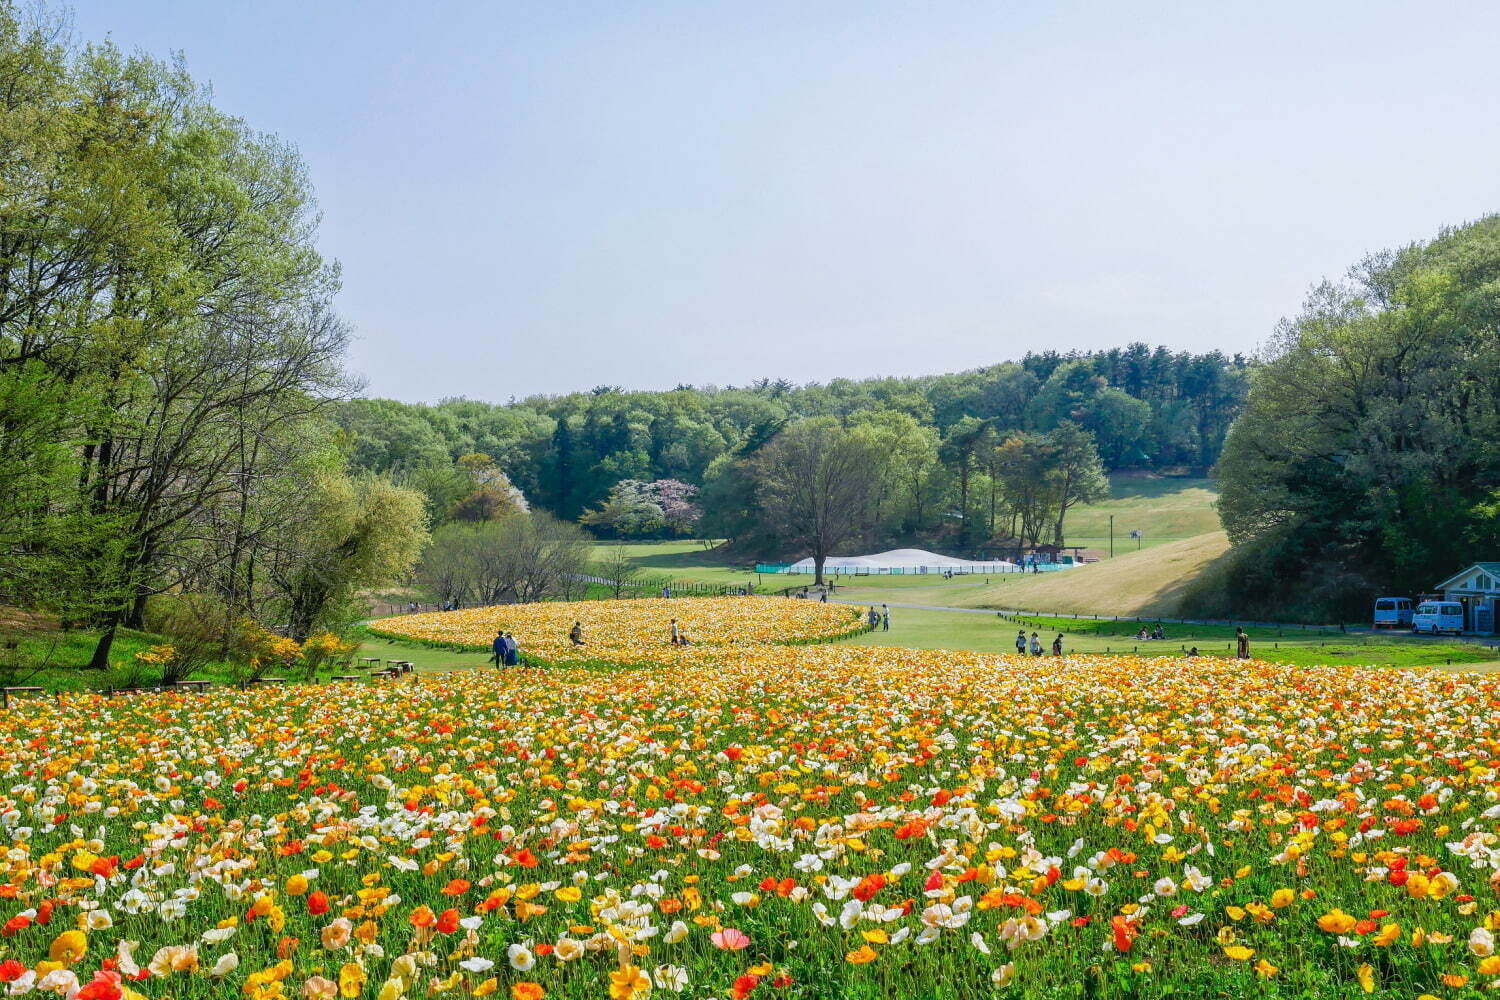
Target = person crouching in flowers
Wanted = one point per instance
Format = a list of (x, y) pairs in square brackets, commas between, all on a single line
[(575, 634)]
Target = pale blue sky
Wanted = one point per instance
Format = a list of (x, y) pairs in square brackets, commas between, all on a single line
[(539, 197)]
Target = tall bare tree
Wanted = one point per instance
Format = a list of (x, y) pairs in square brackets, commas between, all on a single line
[(816, 482)]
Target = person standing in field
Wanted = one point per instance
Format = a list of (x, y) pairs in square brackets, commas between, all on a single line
[(1036, 645), (1021, 643), (675, 633), (498, 649), (1242, 641), (1057, 645), (512, 650), (885, 618)]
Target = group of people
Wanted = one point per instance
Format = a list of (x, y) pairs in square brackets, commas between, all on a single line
[(1156, 633), (675, 635), (879, 619), (1034, 646), (505, 651)]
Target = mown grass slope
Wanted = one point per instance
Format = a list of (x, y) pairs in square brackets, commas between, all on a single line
[(1148, 582)]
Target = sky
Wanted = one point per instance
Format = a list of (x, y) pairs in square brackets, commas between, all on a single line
[(545, 197)]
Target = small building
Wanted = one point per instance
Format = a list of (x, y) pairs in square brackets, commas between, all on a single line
[(1478, 590)]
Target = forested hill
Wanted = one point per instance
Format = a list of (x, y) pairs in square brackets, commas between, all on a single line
[(1146, 408)]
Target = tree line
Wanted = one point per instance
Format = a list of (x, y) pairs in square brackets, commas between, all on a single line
[(661, 464), (170, 360)]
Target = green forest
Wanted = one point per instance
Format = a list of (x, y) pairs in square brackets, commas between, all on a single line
[(959, 452)]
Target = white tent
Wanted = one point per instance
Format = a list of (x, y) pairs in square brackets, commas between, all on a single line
[(903, 561)]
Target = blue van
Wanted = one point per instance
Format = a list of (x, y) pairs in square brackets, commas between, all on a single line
[(1393, 612)]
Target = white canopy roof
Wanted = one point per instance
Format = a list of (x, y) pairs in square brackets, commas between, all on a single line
[(894, 559)]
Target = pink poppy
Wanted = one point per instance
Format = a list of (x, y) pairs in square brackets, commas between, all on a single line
[(730, 939)]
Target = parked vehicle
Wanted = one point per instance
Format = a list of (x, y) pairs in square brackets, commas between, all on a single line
[(1433, 617), (1393, 612)]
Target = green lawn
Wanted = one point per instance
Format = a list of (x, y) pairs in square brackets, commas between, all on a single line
[(913, 628), (424, 658), (1163, 509), (683, 560)]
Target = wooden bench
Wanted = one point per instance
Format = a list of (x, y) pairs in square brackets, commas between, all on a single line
[(369, 659), (347, 677), (6, 692), (268, 680), (111, 692), (197, 685)]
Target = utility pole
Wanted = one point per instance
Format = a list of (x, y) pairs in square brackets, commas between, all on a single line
[(1111, 536)]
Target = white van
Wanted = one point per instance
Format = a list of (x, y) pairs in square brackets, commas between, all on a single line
[(1433, 617), (1393, 612)]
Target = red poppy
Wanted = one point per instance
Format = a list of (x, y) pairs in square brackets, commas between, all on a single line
[(105, 986), (868, 887), (317, 903)]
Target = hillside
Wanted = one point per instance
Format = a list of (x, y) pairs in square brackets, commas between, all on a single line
[(1148, 582), (1164, 509)]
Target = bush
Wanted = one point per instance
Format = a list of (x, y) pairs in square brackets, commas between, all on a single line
[(199, 630)]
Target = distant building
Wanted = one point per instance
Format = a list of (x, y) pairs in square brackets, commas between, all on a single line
[(1478, 590)]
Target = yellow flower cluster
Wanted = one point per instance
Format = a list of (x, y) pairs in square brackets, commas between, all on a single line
[(632, 630), (157, 655)]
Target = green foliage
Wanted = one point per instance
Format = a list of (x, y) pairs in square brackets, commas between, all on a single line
[(1367, 460), (363, 532), (167, 352)]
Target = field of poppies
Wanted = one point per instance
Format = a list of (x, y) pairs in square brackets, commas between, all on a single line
[(630, 631), (762, 821)]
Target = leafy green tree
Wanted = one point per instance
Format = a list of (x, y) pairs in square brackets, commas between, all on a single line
[(366, 532), (1367, 459), (967, 442), (1075, 472)]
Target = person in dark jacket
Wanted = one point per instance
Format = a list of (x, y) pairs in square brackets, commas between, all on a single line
[(497, 649)]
